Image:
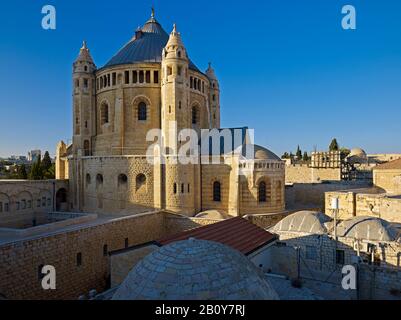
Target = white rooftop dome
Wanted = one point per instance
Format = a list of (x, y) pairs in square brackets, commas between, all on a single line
[(357, 152), (368, 228), (303, 221), (195, 270), (259, 152)]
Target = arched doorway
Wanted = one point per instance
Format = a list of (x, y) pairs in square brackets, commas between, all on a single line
[(61, 200)]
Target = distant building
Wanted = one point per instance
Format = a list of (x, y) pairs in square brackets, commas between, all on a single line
[(34, 155)]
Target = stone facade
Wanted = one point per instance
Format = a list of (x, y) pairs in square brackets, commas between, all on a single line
[(27, 197), (304, 173), (312, 195), (383, 200), (115, 108), (365, 202), (389, 180)]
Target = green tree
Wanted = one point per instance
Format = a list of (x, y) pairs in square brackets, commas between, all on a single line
[(51, 173), (46, 162), (305, 157), (36, 171), (299, 153), (285, 156), (334, 145), (21, 172)]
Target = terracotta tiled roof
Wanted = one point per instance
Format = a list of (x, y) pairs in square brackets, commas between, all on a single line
[(396, 164), (237, 233)]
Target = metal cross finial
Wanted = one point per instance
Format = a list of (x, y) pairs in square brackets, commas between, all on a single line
[(153, 11)]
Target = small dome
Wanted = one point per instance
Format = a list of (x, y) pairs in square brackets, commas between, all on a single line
[(368, 228), (357, 152), (214, 214), (262, 153), (303, 221), (195, 270), (259, 153)]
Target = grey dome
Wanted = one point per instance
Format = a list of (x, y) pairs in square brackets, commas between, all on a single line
[(259, 152), (303, 221), (195, 270), (148, 47), (368, 228), (262, 153)]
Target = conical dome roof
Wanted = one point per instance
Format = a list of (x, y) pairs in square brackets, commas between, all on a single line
[(146, 46), (195, 270)]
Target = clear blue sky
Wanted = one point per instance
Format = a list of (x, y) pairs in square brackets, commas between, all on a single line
[(286, 67)]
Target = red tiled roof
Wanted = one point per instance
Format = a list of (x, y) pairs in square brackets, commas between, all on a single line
[(396, 164), (237, 233)]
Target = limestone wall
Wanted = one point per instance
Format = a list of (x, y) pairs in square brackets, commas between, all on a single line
[(305, 195), (365, 202), (302, 173), (114, 194), (121, 263), (27, 197), (20, 261), (389, 180)]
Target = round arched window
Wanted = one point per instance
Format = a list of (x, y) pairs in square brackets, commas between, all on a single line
[(142, 111)]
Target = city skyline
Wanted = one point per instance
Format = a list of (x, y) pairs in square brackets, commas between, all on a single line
[(316, 80)]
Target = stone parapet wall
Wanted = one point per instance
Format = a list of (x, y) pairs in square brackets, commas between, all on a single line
[(365, 202), (306, 195), (20, 260)]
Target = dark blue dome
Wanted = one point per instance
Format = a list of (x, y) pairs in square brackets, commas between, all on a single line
[(146, 46)]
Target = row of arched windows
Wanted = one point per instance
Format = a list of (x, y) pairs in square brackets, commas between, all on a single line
[(197, 84), (25, 204), (135, 76), (184, 188), (262, 191), (142, 113), (122, 181)]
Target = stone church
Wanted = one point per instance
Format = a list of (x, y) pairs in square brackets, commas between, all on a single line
[(151, 83)]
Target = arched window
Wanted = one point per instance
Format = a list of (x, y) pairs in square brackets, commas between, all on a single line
[(142, 111), (262, 192), (175, 188), (86, 148), (279, 192), (195, 116), (141, 183), (88, 179), (217, 191), (99, 181), (122, 181), (104, 113)]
